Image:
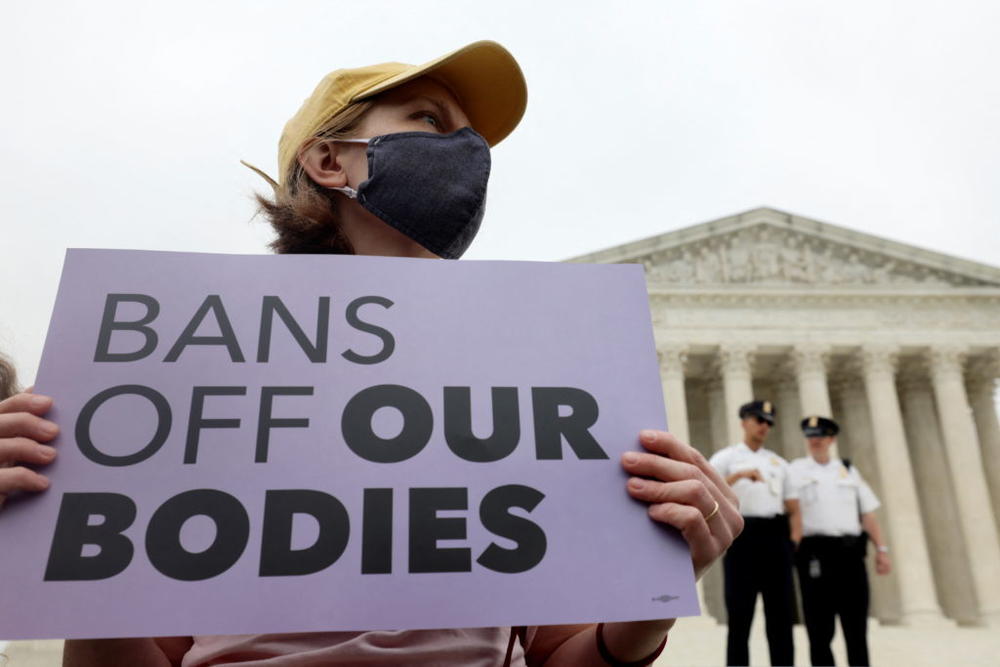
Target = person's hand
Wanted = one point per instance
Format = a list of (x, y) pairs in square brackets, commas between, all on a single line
[(882, 563), (684, 491), (22, 430)]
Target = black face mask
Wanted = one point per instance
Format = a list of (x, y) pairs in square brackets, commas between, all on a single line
[(431, 187)]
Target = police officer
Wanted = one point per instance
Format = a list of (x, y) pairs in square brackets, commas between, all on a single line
[(760, 559), (837, 521)]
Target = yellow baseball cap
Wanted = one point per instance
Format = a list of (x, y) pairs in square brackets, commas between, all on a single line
[(483, 76)]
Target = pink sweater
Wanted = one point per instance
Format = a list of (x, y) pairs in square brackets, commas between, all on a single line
[(468, 647)]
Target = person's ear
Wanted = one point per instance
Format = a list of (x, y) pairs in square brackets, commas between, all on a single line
[(323, 161)]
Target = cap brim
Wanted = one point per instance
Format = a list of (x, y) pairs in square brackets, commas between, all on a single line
[(486, 80)]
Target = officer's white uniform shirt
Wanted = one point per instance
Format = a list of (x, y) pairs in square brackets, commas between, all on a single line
[(757, 499), (831, 497)]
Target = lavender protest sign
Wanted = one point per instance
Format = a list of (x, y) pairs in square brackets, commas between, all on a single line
[(304, 443)]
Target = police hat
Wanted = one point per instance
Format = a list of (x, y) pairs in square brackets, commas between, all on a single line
[(819, 427), (762, 409)]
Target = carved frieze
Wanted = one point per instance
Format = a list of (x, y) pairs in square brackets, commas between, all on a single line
[(768, 255)]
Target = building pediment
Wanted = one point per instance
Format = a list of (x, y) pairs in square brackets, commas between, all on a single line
[(770, 248)]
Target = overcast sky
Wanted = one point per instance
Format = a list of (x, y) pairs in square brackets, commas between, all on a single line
[(122, 123)]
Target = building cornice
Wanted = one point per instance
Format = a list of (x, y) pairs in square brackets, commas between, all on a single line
[(640, 250), (988, 294)]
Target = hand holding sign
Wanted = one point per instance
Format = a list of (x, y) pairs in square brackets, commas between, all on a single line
[(22, 430), (685, 492)]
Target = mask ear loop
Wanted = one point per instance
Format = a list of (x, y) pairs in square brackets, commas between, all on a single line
[(350, 192)]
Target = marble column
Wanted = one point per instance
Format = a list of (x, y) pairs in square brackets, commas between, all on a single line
[(718, 418), (982, 385), (810, 370), (733, 383), (699, 419), (672, 361), (899, 494), (789, 415), (857, 422), (737, 382), (953, 582), (713, 591), (966, 464), (840, 385)]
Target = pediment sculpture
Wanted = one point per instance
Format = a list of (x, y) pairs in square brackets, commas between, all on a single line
[(767, 255)]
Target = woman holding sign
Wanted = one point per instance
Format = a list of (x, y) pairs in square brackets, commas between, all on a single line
[(393, 160)]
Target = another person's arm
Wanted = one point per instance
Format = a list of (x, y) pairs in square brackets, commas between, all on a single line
[(883, 564), (573, 645), (793, 508), (682, 490), (753, 475), (867, 504), (720, 461), (794, 520)]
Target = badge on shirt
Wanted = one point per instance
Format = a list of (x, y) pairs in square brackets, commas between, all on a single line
[(843, 472), (775, 461)]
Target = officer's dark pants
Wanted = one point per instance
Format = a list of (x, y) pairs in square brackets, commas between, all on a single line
[(836, 585), (760, 561)]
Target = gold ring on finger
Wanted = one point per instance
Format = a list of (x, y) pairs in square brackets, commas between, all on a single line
[(714, 511)]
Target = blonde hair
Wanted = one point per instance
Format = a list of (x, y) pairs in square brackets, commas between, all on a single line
[(302, 213)]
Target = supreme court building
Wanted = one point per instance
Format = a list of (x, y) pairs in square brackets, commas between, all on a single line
[(900, 345)]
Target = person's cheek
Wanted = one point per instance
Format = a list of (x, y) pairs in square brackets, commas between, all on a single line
[(357, 169)]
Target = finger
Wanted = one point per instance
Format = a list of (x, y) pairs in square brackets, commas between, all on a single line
[(660, 467), (684, 492), (25, 450), (21, 479), (668, 445), (641, 464), (35, 404), (25, 425), (726, 523), (665, 469), (705, 547), (718, 526)]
